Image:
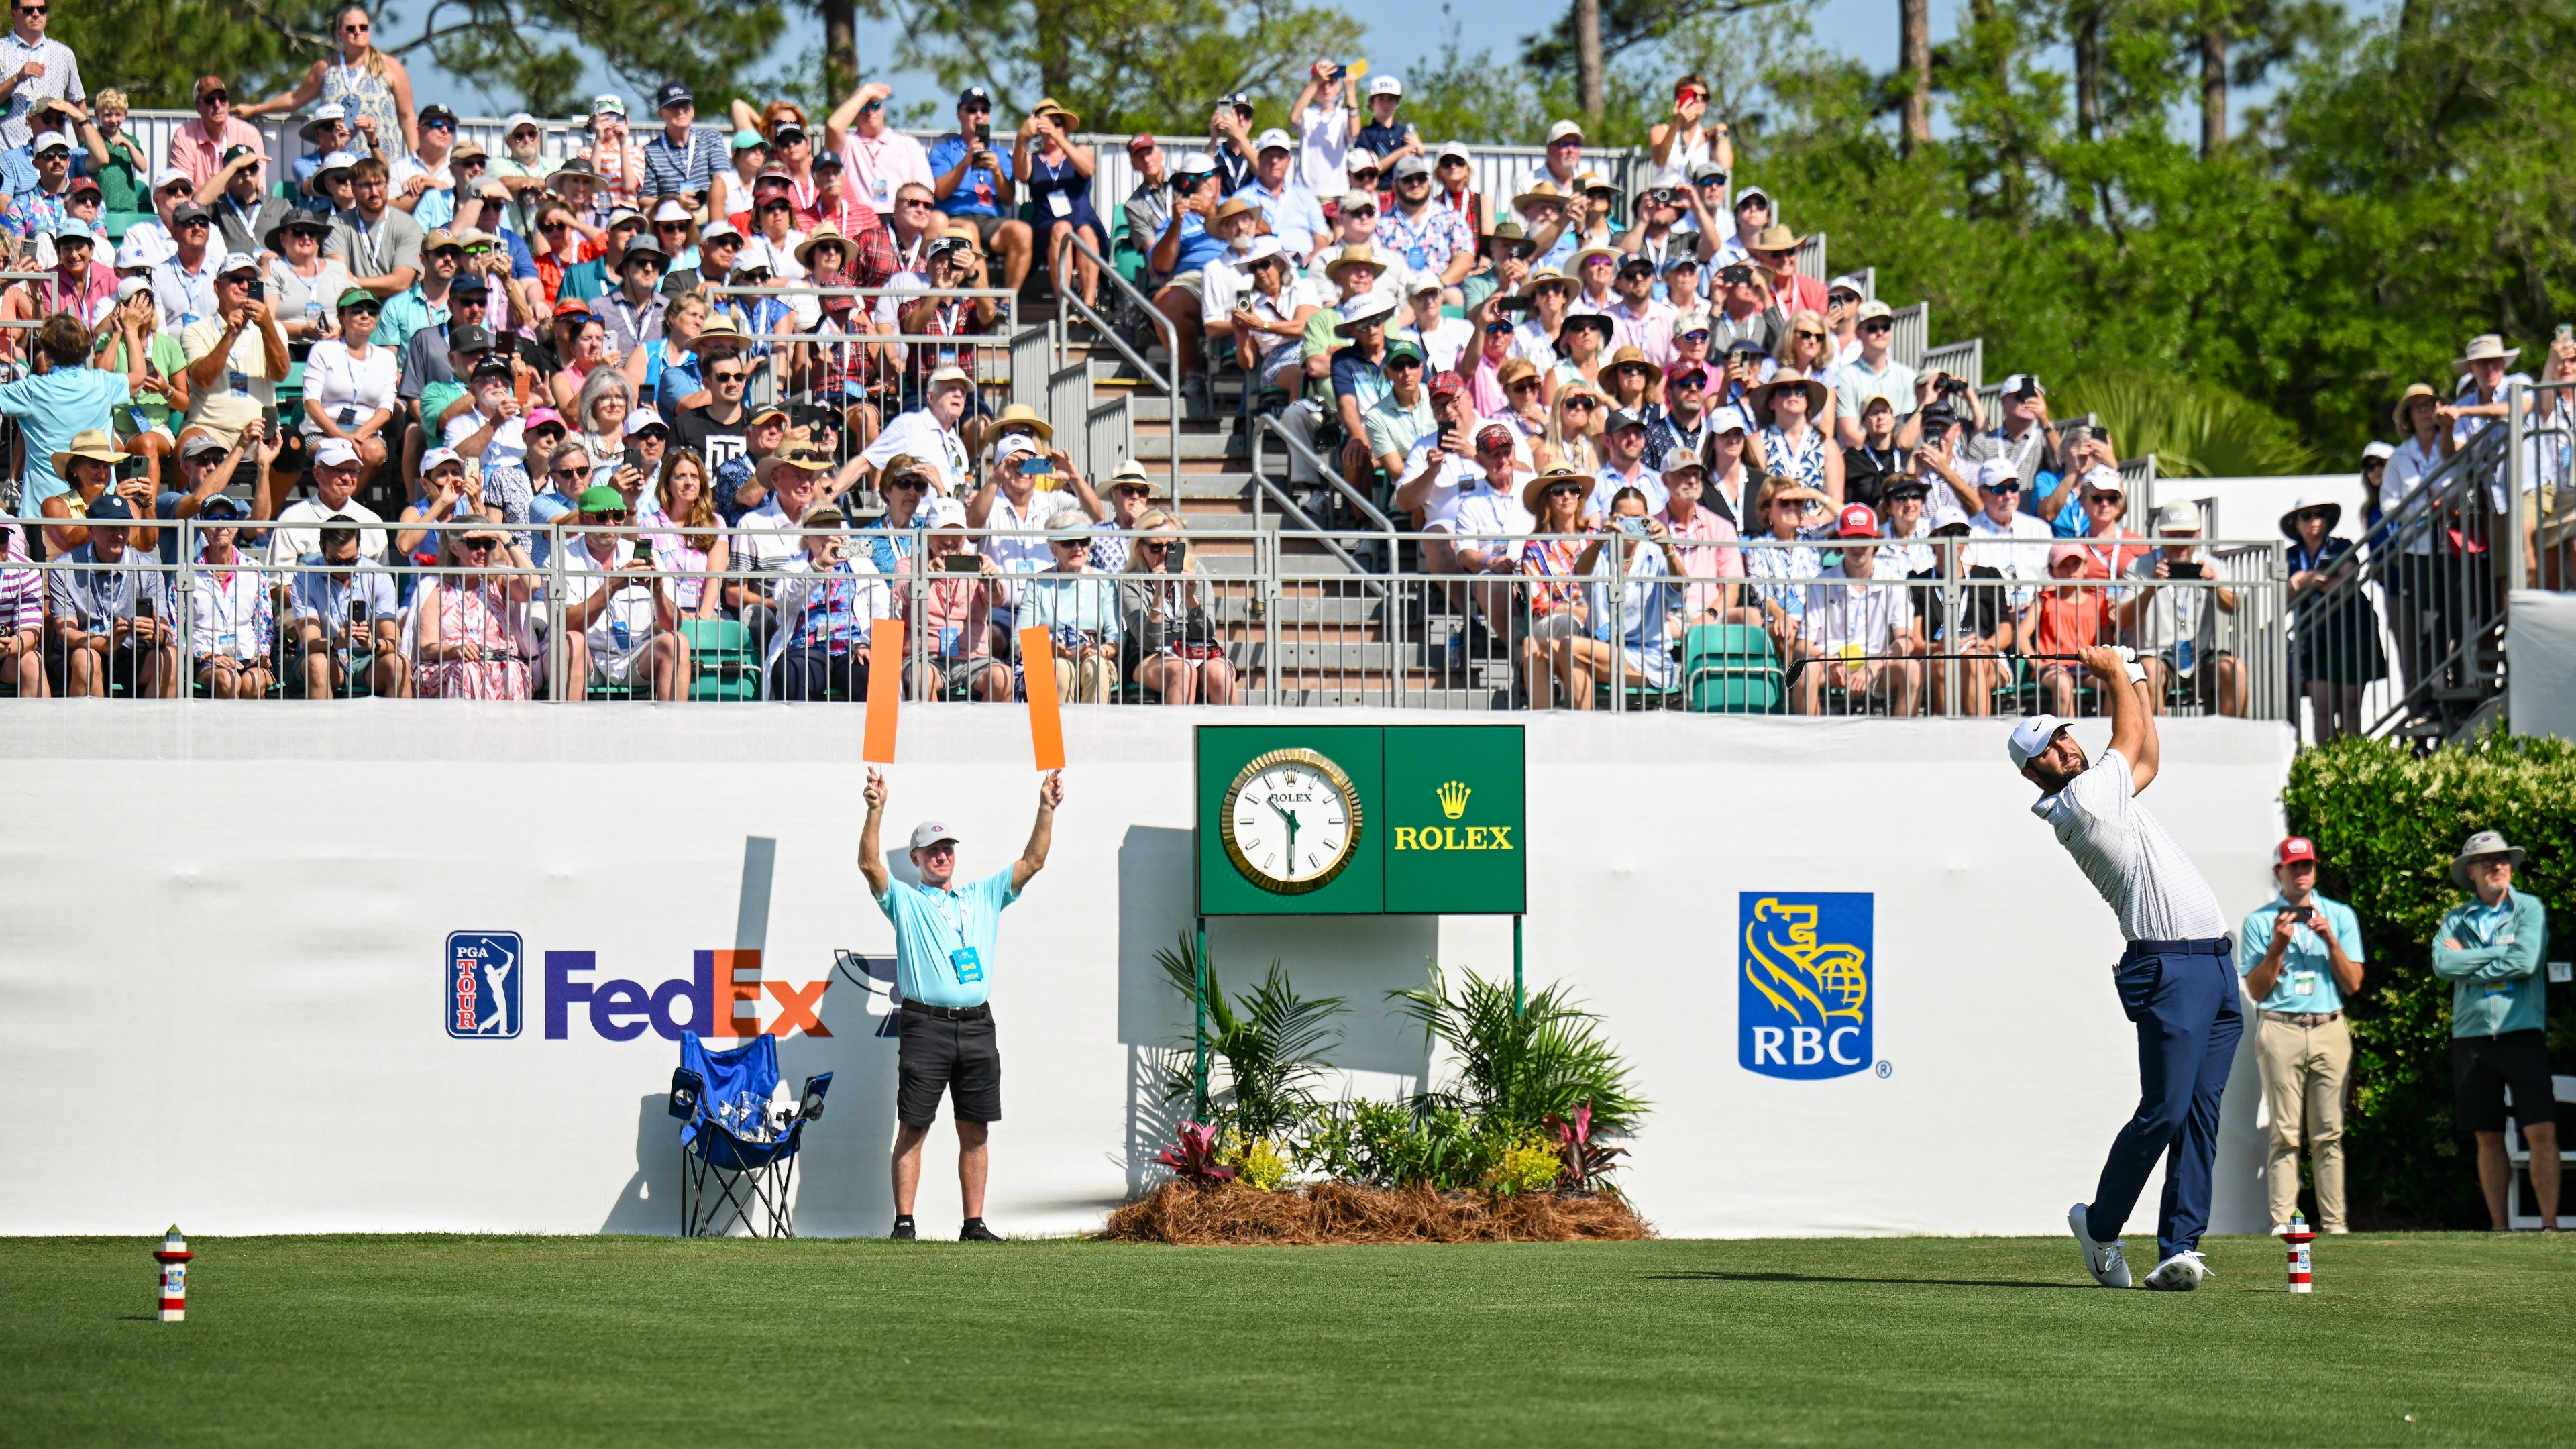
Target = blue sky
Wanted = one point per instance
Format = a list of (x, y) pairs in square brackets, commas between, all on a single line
[(1399, 36)]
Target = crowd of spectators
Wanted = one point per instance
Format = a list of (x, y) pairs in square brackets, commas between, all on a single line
[(397, 351)]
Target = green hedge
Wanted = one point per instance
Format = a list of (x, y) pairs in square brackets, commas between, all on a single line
[(2386, 823)]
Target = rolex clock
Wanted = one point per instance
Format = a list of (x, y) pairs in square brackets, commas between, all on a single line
[(1291, 820)]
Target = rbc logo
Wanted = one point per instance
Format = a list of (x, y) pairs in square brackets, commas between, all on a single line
[(1802, 1003), (483, 983)]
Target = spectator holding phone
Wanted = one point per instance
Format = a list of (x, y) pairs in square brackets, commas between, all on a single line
[(1079, 611), (956, 623), (2490, 948), (111, 615), (1168, 636), (2175, 626), (344, 620), (829, 598), (2300, 955)]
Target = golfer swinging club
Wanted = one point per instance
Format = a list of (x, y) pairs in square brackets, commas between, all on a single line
[(2174, 979), (943, 960)]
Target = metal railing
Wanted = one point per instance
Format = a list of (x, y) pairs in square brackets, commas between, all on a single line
[(1515, 621), (1167, 379)]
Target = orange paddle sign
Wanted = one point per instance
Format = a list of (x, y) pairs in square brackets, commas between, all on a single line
[(1046, 722), (885, 689)]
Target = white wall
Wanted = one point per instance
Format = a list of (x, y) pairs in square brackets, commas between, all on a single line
[(2540, 647), (221, 987)]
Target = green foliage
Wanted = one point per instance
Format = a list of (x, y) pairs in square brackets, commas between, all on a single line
[(1529, 1165), (2195, 430), (1258, 1161), (2386, 824), (1269, 1041), (1382, 1144), (1518, 1068)]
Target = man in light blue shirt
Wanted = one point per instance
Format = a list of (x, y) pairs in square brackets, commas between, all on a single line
[(2299, 954), (944, 937), (2490, 948), (1295, 216)]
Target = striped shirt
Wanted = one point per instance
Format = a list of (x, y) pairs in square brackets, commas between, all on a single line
[(690, 166)]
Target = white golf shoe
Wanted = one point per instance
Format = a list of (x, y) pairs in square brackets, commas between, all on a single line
[(2180, 1273), (2103, 1260)]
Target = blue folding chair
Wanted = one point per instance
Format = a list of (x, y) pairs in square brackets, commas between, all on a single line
[(731, 1154)]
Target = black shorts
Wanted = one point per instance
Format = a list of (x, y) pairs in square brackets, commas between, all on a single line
[(2483, 1066), (933, 1055)]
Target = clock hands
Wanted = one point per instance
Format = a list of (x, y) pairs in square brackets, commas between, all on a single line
[(1290, 816)]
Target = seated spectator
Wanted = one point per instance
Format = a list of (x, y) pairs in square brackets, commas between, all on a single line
[(956, 623), (1639, 655), (2053, 495), (1574, 430), (1356, 372), (1079, 610), (1027, 493), (346, 623), (379, 241), (303, 285), (113, 626), (235, 358), (1505, 268), (1855, 636), (477, 639), (206, 468), (1680, 429), (621, 615), (1404, 416), (1559, 606), (2489, 947), (350, 385), (2061, 623), (1442, 338), (1679, 284), (931, 433), (1868, 464), (1907, 551), (829, 598), (1428, 240), (1697, 533), (234, 630), (451, 490), (1986, 628), (1485, 524), (1775, 577), (22, 629), (1518, 397), (1167, 637), (1744, 310), (1131, 490), (2003, 537), (1441, 461), (1269, 318), (2174, 627), (81, 285), (1580, 346), (1196, 233), (1059, 170), (975, 186), (2301, 959), (2027, 438), (1294, 213), (90, 463), (1732, 492), (685, 542), (1634, 384), (297, 538), (1623, 463), (768, 537), (1792, 443), (1637, 318), (2105, 555)]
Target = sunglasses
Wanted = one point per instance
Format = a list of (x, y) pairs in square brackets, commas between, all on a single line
[(1393, 363), (1068, 543), (1878, 324), (2003, 490), (721, 378), (1154, 547), (615, 515), (1498, 329), (1584, 403), (1368, 174), (210, 98), (2314, 515), (2109, 498), (671, 227), (479, 541), (569, 473), (552, 227), (907, 485), (1811, 336), (1694, 337), (1563, 490), (912, 201)]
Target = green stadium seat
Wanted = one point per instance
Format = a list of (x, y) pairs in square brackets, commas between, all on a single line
[(721, 666), (1732, 669)]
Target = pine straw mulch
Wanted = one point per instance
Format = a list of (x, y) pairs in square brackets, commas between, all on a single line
[(1342, 1213)]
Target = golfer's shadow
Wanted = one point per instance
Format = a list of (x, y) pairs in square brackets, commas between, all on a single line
[(1710, 1276)]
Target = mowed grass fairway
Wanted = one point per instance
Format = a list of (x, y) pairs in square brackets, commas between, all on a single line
[(617, 1341)]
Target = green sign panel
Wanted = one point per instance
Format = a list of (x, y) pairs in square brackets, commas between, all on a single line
[(1337, 820)]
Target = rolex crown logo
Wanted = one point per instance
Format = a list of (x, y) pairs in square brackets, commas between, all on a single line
[(1453, 798)]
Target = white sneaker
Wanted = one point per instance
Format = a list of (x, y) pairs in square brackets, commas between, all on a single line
[(2180, 1273), (2279, 1228), (2102, 1260)]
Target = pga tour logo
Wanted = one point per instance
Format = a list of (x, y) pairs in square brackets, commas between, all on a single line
[(483, 979), (1803, 983)]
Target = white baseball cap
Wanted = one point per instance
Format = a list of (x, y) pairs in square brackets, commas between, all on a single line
[(1273, 139), (1729, 419), (1194, 163), (2370, 453), (1995, 472), (168, 174), (671, 210), (518, 119), (431, 460), (642, 418), (236, 262), (1385, 85), (1014, 445), (334, 452), (2030, 737), (931, 832), (1847, 282), (1563, 129)]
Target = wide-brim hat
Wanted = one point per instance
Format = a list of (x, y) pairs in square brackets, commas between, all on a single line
[(1631, 357), (276, 239), (95, 444), (2485, 347), (1574, 264), (1507, 231), (2480, 846), (2406, 400), (822, 234), (1761, 396), (1047, 106), (1021, 415), (1232, 206), (1774, 238), (1534, 492), (1542, 191), (2334, 514), (1372, 308), (1355, 256), (1594, 320)]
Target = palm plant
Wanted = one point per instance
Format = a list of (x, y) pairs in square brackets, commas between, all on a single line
[(2195, 430), (1518, 1068), (1270, 1042)]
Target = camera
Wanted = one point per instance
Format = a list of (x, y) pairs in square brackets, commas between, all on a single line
[(1948, 386), (1632, 526)]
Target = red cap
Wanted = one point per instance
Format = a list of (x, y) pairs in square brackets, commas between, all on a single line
[(2297, 847), (571, 307), (1447, 382), (1857, 521), (1493, 438), (1141, 141)]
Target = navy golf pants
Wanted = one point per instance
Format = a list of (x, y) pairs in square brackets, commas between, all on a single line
[(2182, 995)]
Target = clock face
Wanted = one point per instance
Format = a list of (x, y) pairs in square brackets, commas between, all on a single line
[(1292, 820)]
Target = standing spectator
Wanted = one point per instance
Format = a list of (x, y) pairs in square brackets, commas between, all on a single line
[(121, 176), (345, 622), (1858, 637), (32, 69), (370, 85), (63, 397), (1385, 137), (2028, 438), (878, 159), (1431, 241), (197, 147), (1325, 125), (2174, 626), (1229, 142), (2490, 947), (112, 619), (614, 153), (974, 185), (681, 161), (2061, 624), (2335, 650), (945, 942), (2483, 367), (1681, 146), (378, 242), (1876, 373), (2300, 955)]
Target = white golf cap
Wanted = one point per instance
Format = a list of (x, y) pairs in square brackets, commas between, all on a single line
[(431, 461), (168, 174), (1385, 85), (2176, 518), (2028, 738), (1194, 163), (1996, 472), (518, 119), (642, 418), (1847, 282), (334, 453), (671, 211), (931, 832), (237, 262), (1014, 445), (1453, 148), (2370, 453), (1273, 139), (1563, 129), (1729, 419), (2021, 380)]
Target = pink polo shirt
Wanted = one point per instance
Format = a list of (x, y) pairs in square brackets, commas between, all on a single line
[(876, 165), (192, 152), (1701, 560)]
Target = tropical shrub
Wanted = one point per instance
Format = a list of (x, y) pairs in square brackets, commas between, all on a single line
[(1257, 1162), (2386, 823), (1197, 1156), (1529, 1165), (1266, 1047), (1519, 1068)]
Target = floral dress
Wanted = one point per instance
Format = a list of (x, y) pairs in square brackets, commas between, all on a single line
[(1806, 464), (484, 613), (360, 94)]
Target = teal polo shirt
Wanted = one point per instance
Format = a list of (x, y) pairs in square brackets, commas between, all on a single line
[(2305, 961), (931, 928)]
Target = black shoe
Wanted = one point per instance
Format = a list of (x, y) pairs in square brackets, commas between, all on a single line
[(976, 1232), (902, 1230)]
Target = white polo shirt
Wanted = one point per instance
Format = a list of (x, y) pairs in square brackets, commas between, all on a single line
[(2151, 885)]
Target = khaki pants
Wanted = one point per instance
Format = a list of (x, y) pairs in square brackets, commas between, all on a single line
[(2304, 1068), (1086, 681)]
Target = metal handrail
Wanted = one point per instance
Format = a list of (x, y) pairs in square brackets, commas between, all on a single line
[(1169, 382)]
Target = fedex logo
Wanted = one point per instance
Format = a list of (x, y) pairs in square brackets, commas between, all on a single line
[(718, 988)]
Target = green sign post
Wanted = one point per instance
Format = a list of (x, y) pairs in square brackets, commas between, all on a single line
[(1359, 820)]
